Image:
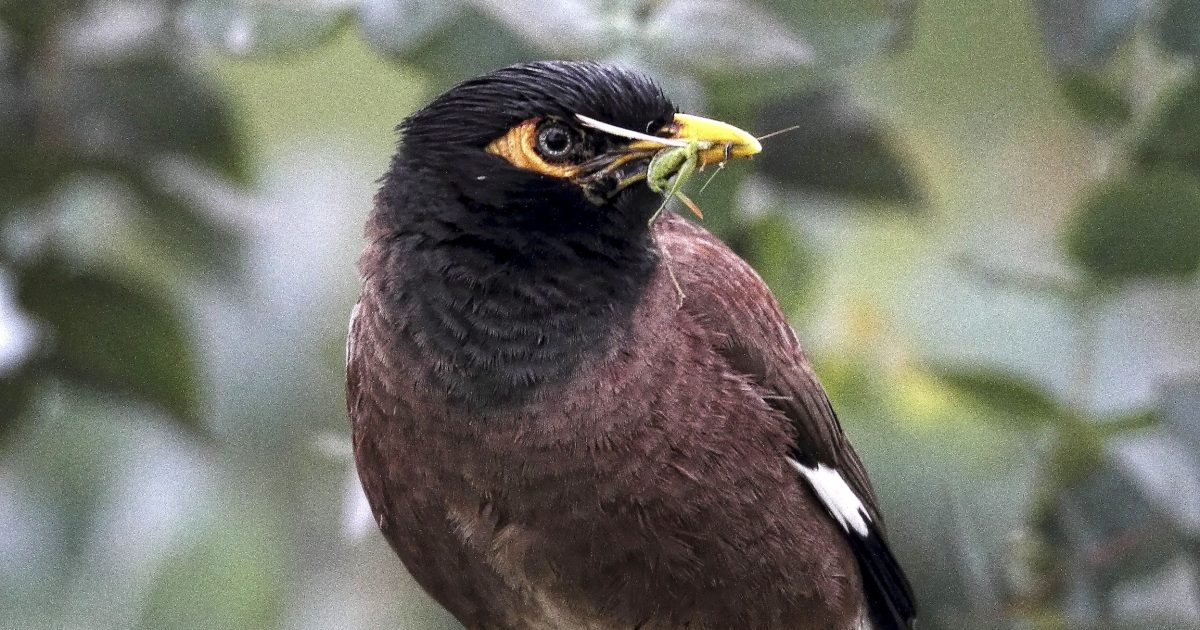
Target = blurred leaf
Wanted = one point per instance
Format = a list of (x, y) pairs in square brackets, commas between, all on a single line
[(1144, 225), (13, 97), (1094, 100), (182, 228), (1085, 33), (852, 384), (1077, 453), (467, 46), (113, 335), (1178, 27), (579, 26), (27, 173), (971, 555), (1167, 472), (263, 28), (31, 23), (772, 246), (711, 37), (1174, 136), (114, 29), (16, 392), (398, 27), (1181, 409), (142, 107), (839, 149), (26, 170), (814, 35), (230, 578), (1111, 544), (1005, 393), (841, 31), (1109, 427)]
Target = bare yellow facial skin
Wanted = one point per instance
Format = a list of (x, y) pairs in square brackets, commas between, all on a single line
[(519, 147)]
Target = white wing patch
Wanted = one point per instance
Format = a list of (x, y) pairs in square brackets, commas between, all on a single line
[(839, 498), (350, 333)]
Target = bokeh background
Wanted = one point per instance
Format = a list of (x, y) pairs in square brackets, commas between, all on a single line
[(986, 229)]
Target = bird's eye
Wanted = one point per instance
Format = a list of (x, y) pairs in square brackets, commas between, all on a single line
[(542, 146), (555, 141)]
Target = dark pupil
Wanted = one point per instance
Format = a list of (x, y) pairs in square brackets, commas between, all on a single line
[(555, 140)]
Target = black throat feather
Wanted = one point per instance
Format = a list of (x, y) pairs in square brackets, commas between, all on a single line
[(497, 302)]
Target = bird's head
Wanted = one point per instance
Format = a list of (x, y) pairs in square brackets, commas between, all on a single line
[(559, 142)]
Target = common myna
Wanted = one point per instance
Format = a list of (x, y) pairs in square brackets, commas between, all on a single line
[(573, 411)]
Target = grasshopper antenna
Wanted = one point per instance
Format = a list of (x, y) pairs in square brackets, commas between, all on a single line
[(777, 132), (708, 181), (720, 167)]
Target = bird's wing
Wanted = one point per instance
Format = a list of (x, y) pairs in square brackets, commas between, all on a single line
[(722, 292)]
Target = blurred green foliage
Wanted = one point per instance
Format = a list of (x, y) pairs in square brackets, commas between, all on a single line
[(986, 228)]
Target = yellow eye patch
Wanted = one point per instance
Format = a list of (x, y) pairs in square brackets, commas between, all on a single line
[(519, 147)]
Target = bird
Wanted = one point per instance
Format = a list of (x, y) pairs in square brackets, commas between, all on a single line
[(571, 410)]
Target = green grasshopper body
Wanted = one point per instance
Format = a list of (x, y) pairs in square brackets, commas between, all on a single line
[(670, 169)]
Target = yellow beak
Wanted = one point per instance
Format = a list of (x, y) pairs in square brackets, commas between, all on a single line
[(719, 141)]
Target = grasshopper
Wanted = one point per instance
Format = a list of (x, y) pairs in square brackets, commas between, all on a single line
[(670, 169)]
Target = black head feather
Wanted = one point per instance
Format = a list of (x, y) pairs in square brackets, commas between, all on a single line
[(444, 144), (475, 112)]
